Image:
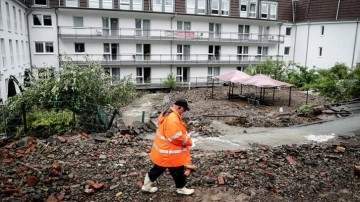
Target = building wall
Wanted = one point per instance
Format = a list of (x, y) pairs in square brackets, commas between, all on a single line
[(14, 56), (337, 46)]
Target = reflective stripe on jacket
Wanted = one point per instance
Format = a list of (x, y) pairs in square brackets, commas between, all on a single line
[(171, 142)]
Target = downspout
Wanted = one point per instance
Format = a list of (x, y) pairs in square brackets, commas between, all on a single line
[(294, 23), (28, 33), (307, 44), (337, 10), (355, 41), (57, 34), (293, 60), (278, 50)]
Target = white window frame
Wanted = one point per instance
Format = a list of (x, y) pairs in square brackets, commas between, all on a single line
[(190, 6), (8, 16), (44, 45), (72, 3), (3, 53), (213, 71), (94, 3), (107, 4), (124, 4), (243, 53), (42, 20), (20, 21), (252, 9), (17, 52), (15, 20), (23, 51), (1, 17), (137, 5), (169, 6), (78, 21), (225, 7), (114, 73), (201, 7), (12, 60), (269, 10), (215, 7), (157, 5)]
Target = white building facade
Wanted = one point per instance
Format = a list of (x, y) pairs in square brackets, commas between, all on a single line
[(192, 39)]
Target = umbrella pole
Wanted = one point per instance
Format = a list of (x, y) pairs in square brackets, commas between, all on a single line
[(229, 90), (274, 93), (241, 86), (289, 96)]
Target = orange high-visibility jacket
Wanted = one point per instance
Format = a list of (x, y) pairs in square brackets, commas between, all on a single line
[(171, 143)]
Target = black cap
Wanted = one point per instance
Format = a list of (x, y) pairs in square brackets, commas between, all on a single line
[(182, 103)]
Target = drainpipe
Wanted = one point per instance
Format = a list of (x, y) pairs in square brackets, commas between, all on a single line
[(307, 43), (356, 32), (337, 10), (295, 25), (171, 42), (28, 33), (57, 34), (278, 50)]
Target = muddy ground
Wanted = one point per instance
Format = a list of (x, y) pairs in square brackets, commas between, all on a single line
[(94, 167)]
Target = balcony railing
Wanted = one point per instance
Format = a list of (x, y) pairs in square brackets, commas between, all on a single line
[(160, 34), (169, 59)]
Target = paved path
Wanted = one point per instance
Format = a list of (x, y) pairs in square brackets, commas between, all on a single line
[(235, 138)]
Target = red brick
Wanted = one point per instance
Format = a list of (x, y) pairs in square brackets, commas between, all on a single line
[(60, 197), (11, 191), (56, 166), (97, 185), (357, 170), (139, 185), (291, 160), (51, 198), (90, 182), (7, 160), (221, 180), (32, 180)]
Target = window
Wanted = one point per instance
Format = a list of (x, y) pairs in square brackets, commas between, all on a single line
[(8, 16), (114, 73), (40, 2), (12, 60), (225, 7), (78, 21), (79, 47), (143, 74), (42, 20), (23, 51), (215, 4), (3, 53), (72, 3), (21, 22), (320, 51), (163, 5), (244, 32), (44, 47), (15, 20), (242, 53), (195, 6), (248, 8), (213, 71), (181, 25), (287, 51), (1, 17), (94, 4), (288, 31), (261, 52), (131, 4), (190, 6), (17, 52), (322, 30), (107, 4), (268, 10)]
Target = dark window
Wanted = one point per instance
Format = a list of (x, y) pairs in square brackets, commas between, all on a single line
[(49, 47), (243, 7), (79, 47), (288, 31), (40, 2), (39, 47), (320, 51), (322, 30), (47, 20), (287, 51), (37, 19)]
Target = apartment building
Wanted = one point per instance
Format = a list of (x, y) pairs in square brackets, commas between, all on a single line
[(193, 39), (14, 43)]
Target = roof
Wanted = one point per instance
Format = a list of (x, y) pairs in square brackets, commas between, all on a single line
[(263, 81)]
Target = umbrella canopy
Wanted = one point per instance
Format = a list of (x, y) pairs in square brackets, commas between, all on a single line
[(262, 81), (232, 76)]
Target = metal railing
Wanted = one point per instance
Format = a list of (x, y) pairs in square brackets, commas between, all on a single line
[(161, 34), (168, 59), (183, 82)]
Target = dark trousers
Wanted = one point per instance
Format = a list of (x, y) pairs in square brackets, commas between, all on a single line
[(177, 174)]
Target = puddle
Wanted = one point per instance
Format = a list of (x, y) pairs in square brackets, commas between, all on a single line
[(320, 138)]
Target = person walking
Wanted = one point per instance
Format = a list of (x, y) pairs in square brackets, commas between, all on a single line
[(170, 149)]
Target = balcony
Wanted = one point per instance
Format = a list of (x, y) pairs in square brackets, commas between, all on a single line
[(168, 59), (170, 35)]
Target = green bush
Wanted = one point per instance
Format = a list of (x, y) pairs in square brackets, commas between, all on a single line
[(46, 123), (307, 110), (170, 81)]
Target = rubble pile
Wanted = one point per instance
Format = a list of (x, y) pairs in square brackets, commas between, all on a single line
[(93, 167)]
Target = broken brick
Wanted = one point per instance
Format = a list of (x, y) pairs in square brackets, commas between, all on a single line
[(357, 170), (90, 182), (97, 185), (51, 198), (60, 197), (221, 180), (62, 139), (291, 160), (139, 185), (340, 149), (32, 180), (11, 191), (56, 166), (7, 160)]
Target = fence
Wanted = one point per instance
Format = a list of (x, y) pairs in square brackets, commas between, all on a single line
[(43, 119)]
